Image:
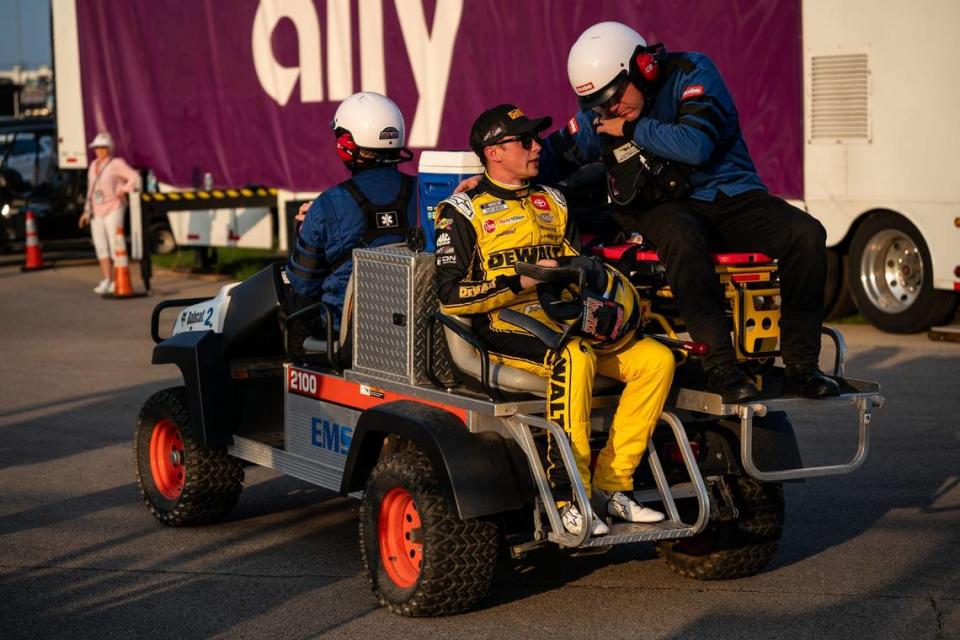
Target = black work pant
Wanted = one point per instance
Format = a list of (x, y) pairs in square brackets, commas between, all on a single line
[(686, 233)]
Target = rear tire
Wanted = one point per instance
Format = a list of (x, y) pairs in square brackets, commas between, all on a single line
[(891, 276), (162, 240), (735, 549), (420, 558), (182, 482)]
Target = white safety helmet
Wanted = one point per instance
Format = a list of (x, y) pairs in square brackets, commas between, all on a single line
[(102, 139), (372, 120), (599, 61)]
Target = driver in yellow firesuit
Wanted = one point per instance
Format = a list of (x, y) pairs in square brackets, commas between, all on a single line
[(480, 235)]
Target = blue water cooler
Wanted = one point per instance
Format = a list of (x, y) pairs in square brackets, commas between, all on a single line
[(439, 174)]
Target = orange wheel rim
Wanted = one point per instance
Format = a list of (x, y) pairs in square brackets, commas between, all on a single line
[(166, 459), (401, 549)]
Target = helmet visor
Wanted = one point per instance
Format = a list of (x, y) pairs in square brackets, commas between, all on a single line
[(602, 96)]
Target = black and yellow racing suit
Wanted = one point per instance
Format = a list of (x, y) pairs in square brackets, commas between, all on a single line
[(480, 235)]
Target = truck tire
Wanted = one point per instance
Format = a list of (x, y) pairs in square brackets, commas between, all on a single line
[(837, 301), (162, 240), (724, 551), (182, 482), (891, 279), (420, 558)]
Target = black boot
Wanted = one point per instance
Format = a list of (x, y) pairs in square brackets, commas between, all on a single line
[(732, 384), (808, 381)]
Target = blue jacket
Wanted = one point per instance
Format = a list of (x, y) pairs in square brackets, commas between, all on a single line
[(333, 227), (692, 120)]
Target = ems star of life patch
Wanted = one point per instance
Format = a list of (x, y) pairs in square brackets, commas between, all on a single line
[(386, 219)]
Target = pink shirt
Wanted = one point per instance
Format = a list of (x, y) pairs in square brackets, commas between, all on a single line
[(108, 192)]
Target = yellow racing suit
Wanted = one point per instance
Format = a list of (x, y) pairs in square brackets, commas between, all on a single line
[(480, 235)]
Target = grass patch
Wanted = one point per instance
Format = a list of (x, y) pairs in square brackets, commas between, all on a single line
[(237, 263)]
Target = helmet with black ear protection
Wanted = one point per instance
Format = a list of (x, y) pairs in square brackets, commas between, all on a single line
[(605, 309), (369, 121)]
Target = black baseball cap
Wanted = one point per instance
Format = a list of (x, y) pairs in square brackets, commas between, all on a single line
[(503, 121)]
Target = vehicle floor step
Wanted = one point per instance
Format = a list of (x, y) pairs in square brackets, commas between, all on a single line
[(626, 532)]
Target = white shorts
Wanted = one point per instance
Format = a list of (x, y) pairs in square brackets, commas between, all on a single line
[(103, 230)]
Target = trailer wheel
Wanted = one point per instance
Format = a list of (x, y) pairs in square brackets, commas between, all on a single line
[(734, 549), (420, 558), (182, 482), (891, 276), (162, 240)]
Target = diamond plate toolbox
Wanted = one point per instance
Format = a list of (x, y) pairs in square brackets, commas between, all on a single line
[(395, 297)]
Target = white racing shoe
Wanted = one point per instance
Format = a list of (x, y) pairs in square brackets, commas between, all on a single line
[(621, 505), (105, 286), (572, 521)]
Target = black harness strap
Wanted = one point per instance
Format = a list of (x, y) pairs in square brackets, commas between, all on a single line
[(381, 219)]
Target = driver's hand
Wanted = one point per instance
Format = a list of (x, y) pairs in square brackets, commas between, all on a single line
[(529, 283), (467, 184)]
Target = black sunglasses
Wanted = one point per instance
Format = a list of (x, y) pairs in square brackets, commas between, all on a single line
[(526, 140)]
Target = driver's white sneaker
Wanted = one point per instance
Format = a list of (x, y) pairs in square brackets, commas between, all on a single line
[(572, 521), (621, 505), (105, 285)]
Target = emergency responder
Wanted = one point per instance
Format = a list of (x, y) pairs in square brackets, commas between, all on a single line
[(374, 207), (675, 105), (480, 235)]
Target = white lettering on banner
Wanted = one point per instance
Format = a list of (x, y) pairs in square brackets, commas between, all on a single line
[(277, 80), (339, 62), (430, 60), (430, 51)]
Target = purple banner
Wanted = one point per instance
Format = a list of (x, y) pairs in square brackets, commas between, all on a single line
[(245, 89)]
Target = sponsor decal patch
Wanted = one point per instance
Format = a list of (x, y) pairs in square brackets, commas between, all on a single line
[(540, 202), (573, 128), (546, 217), (390, 133), (493, 207), (511, 220), (444, 223), (446, 260), (489, 226), (444, 251), (516, 113), (692, 91), (473, 290), (509, 257), (508, 232), (443, 239), (625, 152), (585, 87)]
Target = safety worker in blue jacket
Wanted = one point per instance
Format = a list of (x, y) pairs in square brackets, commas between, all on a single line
[(637, 98), (374, 207)]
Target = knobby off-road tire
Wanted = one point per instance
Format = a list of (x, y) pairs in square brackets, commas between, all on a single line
[(182, 482), (735, 549), (420, 558)]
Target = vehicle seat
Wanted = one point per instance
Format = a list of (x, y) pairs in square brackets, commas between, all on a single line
[(313, 346), (502, 377)]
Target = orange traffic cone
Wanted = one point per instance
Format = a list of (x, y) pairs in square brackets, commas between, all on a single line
[(121, 267), (34, 256)]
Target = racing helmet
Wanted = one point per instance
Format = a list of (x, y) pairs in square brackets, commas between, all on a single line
[(606, 309), (600, 61), (368, 120)]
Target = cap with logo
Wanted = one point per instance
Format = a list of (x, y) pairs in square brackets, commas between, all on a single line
[(503, 121)]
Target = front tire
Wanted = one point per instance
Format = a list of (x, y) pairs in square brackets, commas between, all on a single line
[(420, 558), (891, 276), (724, 551), (181, 481)]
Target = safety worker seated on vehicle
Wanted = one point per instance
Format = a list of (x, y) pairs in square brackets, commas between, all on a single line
[(637, 98), (374, 207), (480, 235)]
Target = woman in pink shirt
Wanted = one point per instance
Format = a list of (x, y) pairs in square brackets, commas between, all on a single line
[(109, 180)]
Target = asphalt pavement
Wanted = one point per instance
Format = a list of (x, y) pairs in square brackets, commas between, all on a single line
[(873, 554)]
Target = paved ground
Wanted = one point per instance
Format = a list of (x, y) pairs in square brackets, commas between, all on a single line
[(875, 554)]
